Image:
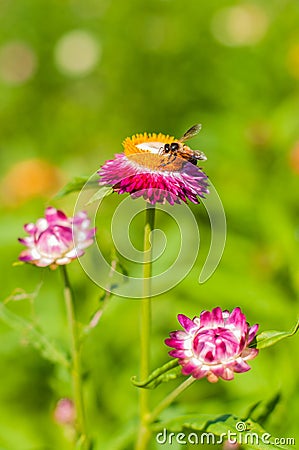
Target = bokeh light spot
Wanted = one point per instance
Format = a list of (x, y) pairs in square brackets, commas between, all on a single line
[(77, 53), (240, 25), (30, 179), (89, 8), (293, 60), (294, 158), (18, 62)]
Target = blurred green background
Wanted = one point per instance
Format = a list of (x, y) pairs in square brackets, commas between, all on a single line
[(76, 78)]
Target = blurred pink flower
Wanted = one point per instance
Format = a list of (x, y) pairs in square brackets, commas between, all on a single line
[(143, 171), (64, 412), (56, 239), (229, 445), (214, 345)]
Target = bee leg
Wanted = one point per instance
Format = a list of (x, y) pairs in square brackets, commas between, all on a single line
[(171, 158)]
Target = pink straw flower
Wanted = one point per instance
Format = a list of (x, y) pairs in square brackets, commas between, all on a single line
[(56, 239), (143, 170), (214, 345)]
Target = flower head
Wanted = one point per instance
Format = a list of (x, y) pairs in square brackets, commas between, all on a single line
[(214, 345), (144, 170), (56, 239)]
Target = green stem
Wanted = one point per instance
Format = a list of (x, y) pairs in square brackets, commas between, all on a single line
[(144, 433), (170, 398), (82, 440)]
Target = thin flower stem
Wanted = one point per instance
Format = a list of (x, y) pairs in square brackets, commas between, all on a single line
[(82, 438), (170, 398), (144, 433)]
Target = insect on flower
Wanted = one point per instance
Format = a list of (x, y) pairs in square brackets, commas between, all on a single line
[(157, 167), (180, 149)]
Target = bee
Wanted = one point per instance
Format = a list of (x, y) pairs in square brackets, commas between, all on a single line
[(181, 150)]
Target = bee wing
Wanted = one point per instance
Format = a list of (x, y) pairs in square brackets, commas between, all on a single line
[(198, 154), (191, 132)]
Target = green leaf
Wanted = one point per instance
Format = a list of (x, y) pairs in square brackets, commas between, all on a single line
[(104, 191), (14, 264), (271, 337), (216, 429), (260, 411), (76, 185), (81, 443), (34, 336), (168, 372), (124, 438)]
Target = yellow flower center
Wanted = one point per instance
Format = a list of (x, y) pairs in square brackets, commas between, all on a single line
[(147, 150)]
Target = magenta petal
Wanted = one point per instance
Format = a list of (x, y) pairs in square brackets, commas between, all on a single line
[(252, 332), (180, 335), (237, 318), (249, 353), (199, 372), (44, 262), (30, 228), (26, 257), (206, 319), (186, 323), (216, 316), (177, 353), (81, 219), (219, 370), (175, 343), (241, 366), (53, 215), (188, 367), (28, 241), (228, 374)]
